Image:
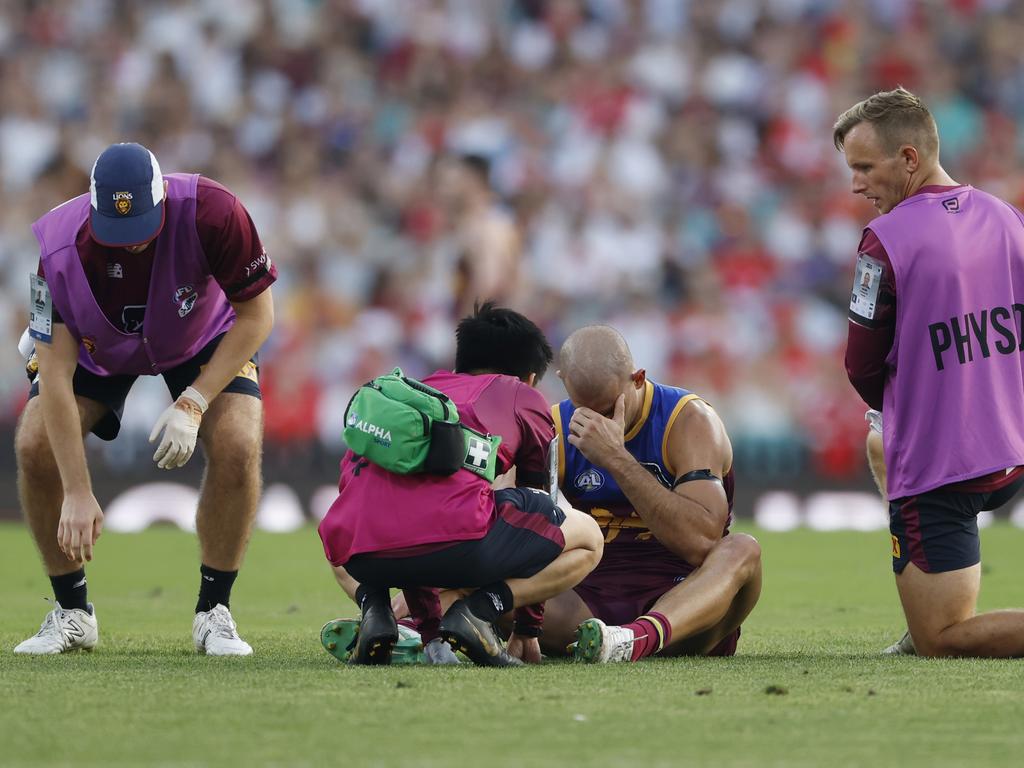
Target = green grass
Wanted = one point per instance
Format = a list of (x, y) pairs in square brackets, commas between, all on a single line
[(143, 697)]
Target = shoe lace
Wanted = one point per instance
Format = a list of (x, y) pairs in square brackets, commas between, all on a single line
[(222, 625), (621, 641), (51, 624)]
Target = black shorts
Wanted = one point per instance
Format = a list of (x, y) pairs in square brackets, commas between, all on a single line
[(112, 391), (938, 530), (526, 537)]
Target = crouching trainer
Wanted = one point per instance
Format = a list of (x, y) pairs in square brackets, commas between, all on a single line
[(436, 522)]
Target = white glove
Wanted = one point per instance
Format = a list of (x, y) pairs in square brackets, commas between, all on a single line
[(874, 420), (180, 425), (25, 345)]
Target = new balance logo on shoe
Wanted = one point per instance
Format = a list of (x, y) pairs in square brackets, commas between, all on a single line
[(75, 629)]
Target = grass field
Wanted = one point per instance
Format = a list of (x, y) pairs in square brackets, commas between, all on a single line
[(143, 697)]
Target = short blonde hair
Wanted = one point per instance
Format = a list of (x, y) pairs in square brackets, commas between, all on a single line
[(899, 117)]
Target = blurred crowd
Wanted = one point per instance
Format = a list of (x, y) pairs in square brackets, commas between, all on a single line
[(664, 166)]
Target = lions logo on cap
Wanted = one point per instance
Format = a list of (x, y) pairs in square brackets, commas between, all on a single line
[(123, 202)]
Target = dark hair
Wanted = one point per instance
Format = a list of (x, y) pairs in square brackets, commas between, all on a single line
[(479, 166), (497, 339)]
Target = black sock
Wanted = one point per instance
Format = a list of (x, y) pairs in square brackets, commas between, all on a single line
[(491, 601), (70, 591), (376, 594), (214, 588)]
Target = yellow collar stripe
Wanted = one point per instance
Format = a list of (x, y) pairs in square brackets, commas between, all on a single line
[(644, 413)]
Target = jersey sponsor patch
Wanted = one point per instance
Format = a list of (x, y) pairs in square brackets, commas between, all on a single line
[(866, 285), (132, 317), (40, 314)]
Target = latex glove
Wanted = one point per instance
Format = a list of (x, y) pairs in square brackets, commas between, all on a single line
[(180, 427), (874, 420)]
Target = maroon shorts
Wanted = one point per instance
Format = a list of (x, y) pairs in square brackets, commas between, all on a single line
[(630, 578)]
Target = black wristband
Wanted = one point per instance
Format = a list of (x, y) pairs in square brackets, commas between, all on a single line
[(526, 631)]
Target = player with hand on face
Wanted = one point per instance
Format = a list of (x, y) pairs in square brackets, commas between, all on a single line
[(653, 465), (146, 274)]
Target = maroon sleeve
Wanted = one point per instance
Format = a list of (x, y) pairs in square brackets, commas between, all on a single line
[(528, 620), (871, 338), (533, 416), (237, 258)]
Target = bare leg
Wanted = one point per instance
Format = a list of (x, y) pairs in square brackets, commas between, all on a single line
[(876, 461), (562, 615), (39, 484), (583, 547), (232, 435), (346, 582), (715, 599), (940, 613)]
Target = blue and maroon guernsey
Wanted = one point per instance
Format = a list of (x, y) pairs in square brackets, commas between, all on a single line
[(591, 489)]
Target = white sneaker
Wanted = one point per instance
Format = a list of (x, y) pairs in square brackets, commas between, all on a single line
[(215, 634), (902, 647), (598, 643), (63, 630), (437, 651)]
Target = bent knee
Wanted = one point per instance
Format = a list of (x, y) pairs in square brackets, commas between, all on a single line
[(32, 449), (938, 645), (743, 547), (237, 449), (582, 532), (743, 552), (935, 648)]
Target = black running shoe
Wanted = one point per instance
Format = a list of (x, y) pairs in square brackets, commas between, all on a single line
[(464, 631), (377, 633)]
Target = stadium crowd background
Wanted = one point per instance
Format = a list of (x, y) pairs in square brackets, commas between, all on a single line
[(667, 166)]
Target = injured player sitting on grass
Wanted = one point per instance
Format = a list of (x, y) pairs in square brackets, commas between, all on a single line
[(652, 464)]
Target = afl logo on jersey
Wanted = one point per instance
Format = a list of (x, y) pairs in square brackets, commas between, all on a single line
[(590, 480)]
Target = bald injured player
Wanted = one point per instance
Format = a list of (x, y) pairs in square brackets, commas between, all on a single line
[(652, 464)]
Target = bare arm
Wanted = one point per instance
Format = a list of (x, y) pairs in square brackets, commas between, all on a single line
[(254, 321), (81, 519), (689, 520)]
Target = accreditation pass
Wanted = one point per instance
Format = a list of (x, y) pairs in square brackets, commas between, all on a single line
[(864, 299), (40, 311)]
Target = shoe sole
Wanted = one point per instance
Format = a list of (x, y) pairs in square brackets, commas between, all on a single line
[(374, 650), (338, 638), (476, 653), (589, 641)]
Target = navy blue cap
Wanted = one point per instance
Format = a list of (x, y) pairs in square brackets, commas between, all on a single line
[(127, 192)]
